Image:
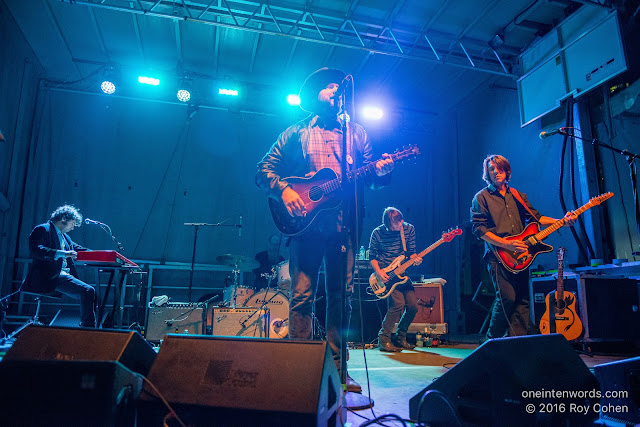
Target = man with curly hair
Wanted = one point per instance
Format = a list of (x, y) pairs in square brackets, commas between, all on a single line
[(53, 252)]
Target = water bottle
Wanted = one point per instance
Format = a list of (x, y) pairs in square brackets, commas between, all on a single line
[(361, 255)]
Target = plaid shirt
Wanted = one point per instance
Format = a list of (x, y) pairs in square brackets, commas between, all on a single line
[(308, 146)]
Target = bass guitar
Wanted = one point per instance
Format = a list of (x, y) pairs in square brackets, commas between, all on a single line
[(396, 269), (322, 192), (560, 315), (516, 262)]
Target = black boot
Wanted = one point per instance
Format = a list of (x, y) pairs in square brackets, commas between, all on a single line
[(385, 345), (401, 341)]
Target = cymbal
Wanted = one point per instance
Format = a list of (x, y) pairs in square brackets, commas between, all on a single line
[(243, 262)]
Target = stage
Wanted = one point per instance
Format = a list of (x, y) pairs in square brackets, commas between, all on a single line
[(393, 379)]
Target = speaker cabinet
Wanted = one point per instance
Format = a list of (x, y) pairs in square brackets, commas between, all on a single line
[(245, 381), (241, 322), (174, 318), (67, 393), (57, 343), (608, 306), (623, 379), (493, 385)]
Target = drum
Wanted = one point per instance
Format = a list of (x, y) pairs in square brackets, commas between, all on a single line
[(284, 277), (278, 305), (239, 293)]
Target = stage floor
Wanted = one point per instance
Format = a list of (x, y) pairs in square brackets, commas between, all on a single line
[(394, 378)]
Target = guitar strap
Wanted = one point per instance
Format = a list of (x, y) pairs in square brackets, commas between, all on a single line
[(517, 196), (404, 243)]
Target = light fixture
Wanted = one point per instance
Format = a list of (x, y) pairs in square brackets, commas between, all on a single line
[(372, 113), (293, 99), (184, 90), (148, 80), (109, 80), (229, 92)]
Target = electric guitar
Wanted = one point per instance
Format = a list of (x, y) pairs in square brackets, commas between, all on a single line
[(516, 262), (396, 269), (321, 192), (560, 315)]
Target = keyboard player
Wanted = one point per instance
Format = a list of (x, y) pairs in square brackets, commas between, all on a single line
[(53, 254)]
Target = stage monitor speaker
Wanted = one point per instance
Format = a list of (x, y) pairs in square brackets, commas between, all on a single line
[(620, 391), (245, 381), (67, 393), (498, 382), (57, 343), (174, 318)]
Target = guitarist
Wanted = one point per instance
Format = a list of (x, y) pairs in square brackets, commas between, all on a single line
[(389, 240), (496, 212), (302, 150)]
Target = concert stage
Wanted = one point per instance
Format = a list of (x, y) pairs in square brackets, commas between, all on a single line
[(392, 380)]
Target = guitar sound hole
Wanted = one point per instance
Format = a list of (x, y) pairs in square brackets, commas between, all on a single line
[(315, 194)]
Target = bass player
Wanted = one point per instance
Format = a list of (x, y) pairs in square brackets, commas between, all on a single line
[(498, 211), (392, 238)]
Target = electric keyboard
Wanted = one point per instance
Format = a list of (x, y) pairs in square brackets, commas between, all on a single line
[(105, 259)]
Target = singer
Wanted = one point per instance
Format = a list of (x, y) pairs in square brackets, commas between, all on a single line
[(392, 238), (498, 211), (305, 148), (53, 252)]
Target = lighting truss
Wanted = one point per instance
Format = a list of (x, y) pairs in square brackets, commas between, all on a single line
[(322, 26)]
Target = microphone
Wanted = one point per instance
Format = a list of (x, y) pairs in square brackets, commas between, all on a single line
[(345, 83), (544, 135), (240, 227), (90, 221)]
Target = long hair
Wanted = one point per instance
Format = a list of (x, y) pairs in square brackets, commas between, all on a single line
[(391, 214), (501, 163), (67, 213)]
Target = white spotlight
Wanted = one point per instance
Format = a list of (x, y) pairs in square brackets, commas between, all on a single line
[(373, 113)]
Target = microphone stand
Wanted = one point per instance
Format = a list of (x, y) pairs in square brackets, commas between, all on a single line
[(633, 173), (196, 226), (349, 201)]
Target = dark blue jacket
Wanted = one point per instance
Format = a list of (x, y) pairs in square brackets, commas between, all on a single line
[(43, 244)]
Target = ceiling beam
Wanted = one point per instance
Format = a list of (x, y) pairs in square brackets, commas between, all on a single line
[(362, 35)]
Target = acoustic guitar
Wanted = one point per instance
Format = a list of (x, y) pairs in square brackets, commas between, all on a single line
[(560, 315), (321, 192)]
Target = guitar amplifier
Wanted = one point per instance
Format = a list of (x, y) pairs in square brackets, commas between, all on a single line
[(174, 318), (241, 322), (606, 305)]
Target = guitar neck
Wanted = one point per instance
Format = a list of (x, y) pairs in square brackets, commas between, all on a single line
[(361, 172), (401, 269), (559, 223)]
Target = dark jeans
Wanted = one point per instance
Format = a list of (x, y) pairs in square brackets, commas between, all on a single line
[(306, 254), (510, 313), (402, 299), (77, 289)]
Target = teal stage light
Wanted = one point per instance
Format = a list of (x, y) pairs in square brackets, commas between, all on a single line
[(229, 92), (148, 80), (293, 99)]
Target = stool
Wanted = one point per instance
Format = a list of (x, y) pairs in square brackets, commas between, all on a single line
[(35, 320)]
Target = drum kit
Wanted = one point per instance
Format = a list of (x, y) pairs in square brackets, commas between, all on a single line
[(275, 299)]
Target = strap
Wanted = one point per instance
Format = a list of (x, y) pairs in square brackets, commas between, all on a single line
[(517, 196), (404, 243)]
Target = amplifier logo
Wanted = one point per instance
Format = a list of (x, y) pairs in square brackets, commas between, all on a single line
[(262, 301)]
